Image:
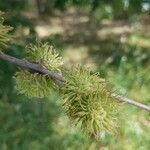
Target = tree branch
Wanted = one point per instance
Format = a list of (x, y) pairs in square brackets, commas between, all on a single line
[(130, 101), (40, 69), (31, 66)]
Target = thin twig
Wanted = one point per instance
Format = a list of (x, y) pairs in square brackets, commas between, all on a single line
[(130, 101), (31, 66), (40, 69)]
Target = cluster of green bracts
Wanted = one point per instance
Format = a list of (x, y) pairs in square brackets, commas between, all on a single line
[(85, 96)]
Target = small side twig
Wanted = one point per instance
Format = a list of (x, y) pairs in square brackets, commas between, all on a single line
[(40, 69)]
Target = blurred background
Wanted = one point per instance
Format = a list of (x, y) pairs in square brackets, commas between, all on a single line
[(109, 36)]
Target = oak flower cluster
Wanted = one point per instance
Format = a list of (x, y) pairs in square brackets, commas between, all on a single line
[(33, 84), (85, 96), (87, 101)]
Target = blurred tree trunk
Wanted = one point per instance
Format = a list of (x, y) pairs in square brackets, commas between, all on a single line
[(118, 9), (40, 6), (45, 6)]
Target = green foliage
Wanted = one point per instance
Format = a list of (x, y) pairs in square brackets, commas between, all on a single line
[(12, 5), (87, 101), (4, 33), (120, 8)]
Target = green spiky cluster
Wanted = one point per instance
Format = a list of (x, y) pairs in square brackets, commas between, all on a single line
[(36, 84), (45, 55), (87, 101), (33, 85), (4, 33), (86, 98)]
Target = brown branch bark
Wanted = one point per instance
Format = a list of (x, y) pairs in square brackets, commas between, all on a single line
[(31, 66), (130, 101), (40, 69)]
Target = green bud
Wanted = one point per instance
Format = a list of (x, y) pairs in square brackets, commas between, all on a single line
[(87, 101)]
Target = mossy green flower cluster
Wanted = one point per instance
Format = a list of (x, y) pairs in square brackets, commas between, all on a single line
[(86, 97), (35, 84), (87, 101), (45, 55), (5, 37)]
